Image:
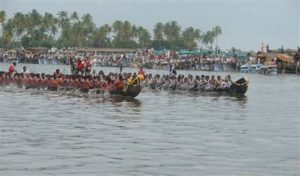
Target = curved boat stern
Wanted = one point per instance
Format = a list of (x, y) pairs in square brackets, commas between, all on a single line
[(240, 86)]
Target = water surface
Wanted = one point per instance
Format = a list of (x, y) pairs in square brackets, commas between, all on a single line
[(158, 133)]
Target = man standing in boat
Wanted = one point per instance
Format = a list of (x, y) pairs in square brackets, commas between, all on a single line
[(80, 66), (88, 67), (141, 71), (172, 70), (72, 64), (141, 74), (121, 67), (12, 69), (120, 63)]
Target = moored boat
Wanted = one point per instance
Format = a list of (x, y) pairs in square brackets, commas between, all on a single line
[(250, 68), (269, 69)]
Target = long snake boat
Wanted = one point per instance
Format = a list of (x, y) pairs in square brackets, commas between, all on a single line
[(131, 87), (70, 84), (237, 87)]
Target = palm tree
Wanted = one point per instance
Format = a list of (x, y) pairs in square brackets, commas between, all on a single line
[(217, 30), (19, 26), (64, 29), (190, 37), (172, 31), (126, 31), (35, 28), (159, 33), (36, 18), (54, 27), (88, 27), (144, 37), (101, 36), (8, 32), (208, 38), (49, 24), (134, 32), (78, 33), (2, 19), (63, 18), (74, 17), (117, 30), (2, 16), (88, 24)]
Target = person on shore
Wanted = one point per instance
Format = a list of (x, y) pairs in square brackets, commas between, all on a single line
[(121, 67), (88, 67), (12, 69), (72, 64), (80, 66)]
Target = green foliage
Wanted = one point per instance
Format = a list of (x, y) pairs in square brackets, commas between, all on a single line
[(70, 30)]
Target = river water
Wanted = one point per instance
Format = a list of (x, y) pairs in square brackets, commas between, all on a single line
[(157, 133)]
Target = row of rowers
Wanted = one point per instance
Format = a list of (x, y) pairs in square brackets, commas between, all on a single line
[(36, 80), (183, 82), (112, 80)]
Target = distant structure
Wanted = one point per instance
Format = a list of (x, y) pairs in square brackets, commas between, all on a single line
[(282, 50), (262, 48)]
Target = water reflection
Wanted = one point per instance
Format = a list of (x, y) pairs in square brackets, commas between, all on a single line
[(241, 99), (131, 101), (93, 99)]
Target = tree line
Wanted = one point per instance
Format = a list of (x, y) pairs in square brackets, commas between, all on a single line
[(70, 30)]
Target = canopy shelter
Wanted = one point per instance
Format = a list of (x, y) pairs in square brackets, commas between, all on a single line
[(37, 49), (160, 52), (284, 58), (241, 55), (106, 50), (262, 57)]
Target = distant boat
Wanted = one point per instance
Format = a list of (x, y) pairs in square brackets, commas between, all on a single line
[(218, 67), (269, 69), (251, 68), (205, 67)]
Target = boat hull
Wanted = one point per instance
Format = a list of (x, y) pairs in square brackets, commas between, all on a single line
[(240, 86), (130, 91)]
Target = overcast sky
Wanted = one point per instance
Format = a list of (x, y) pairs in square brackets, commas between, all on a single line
[(245, 23)]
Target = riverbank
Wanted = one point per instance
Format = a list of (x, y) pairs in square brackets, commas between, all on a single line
[(204, 60)]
